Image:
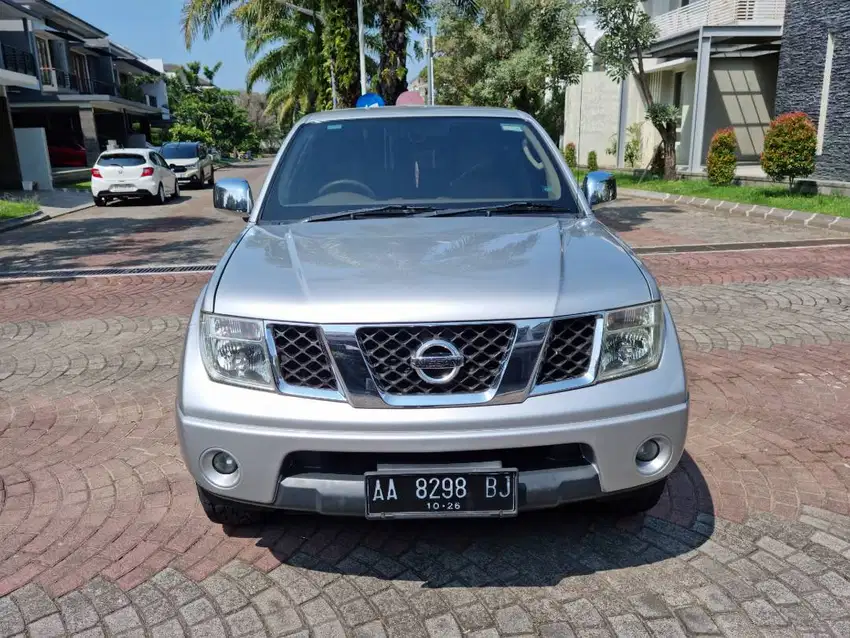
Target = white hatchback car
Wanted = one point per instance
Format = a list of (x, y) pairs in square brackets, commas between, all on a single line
[(132, 173)]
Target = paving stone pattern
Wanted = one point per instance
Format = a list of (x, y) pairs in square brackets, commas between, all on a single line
[(101, 533)]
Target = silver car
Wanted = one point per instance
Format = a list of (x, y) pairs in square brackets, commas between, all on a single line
[(423, 318)]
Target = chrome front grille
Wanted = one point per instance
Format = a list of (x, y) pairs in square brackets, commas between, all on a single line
[(388, 352), (303, 361), (569, 350)]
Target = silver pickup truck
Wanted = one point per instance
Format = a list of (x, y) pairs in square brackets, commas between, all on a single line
[(423, 318)]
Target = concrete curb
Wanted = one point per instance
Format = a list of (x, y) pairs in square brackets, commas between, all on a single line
[(750, 211), (39, 216)]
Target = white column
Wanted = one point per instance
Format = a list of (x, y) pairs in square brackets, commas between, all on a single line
[(699, 105)]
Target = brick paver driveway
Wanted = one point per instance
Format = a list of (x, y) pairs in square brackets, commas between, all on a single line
[(100, 531)]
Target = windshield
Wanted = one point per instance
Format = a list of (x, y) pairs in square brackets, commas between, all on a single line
[(179, 151), (121, 159), (440, 162)]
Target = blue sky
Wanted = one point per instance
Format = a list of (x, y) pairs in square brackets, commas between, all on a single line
[(151, 28)]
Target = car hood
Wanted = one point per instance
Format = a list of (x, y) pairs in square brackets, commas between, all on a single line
[(398, 270)]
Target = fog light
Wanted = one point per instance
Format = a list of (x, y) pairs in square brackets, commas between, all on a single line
[(223, 463), (646, 452)]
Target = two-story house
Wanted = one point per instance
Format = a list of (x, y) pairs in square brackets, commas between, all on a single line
[(715, 59), (91, 90), (17, 70)]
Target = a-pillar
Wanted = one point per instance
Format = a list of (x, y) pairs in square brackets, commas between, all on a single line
[(89, 130), (700, 97), (10, 170)]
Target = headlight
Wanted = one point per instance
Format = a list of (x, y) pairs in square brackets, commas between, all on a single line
[(631, 340), (234, 351)]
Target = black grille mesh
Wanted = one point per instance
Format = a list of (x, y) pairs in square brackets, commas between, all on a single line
[(302, 357), (569, 349), (388, 350)]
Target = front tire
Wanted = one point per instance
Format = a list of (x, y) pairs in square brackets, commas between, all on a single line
[(636, 501), (176, 193), (224, 512)]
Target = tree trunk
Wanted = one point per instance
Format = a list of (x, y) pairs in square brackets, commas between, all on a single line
[(668, 139), (393, 63)]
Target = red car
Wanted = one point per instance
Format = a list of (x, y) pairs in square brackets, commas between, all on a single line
[(67, 154)]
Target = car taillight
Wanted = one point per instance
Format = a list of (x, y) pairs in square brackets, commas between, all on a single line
[(147, 171), (95, 172)]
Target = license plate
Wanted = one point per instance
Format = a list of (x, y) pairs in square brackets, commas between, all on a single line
[(123, 187), (440, 493)]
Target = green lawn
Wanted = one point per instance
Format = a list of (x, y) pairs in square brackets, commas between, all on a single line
[(776, 196), (9, 208), (83, 186)]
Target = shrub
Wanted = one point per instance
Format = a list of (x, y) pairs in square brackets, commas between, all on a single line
[(634, 145), (789, 148), (592, 164), (613, 143), (570, 156), (721, 157)]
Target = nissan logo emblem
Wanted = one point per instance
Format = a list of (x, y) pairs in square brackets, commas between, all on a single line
[(437, 361)]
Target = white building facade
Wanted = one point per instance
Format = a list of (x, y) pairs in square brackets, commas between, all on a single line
[(715, 59)]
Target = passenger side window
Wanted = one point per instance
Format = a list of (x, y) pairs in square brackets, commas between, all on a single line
[(202, 152)]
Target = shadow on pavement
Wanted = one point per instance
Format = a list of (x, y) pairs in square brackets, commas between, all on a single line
[(536, 549), (80, 243), (622, 219)]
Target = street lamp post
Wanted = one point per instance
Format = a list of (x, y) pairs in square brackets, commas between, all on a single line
[(361, 41)]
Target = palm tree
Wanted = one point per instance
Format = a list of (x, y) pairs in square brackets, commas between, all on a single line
[(327, 46)]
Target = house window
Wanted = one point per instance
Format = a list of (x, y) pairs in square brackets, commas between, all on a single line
[(677, 89), (81, 71), (44, 60), (824, 93)]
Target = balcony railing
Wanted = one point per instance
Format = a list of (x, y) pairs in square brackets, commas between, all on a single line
[(702, 13), (18, 61), (56, 78)]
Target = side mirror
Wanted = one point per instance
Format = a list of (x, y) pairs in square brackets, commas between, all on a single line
[(233, 194), (599, 187)]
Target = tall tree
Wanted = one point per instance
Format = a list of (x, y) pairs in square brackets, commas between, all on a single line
[(510, 54), (204, 112), (629, 34)]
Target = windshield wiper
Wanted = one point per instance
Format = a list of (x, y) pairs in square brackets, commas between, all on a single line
[(513, 207), (399, 209)]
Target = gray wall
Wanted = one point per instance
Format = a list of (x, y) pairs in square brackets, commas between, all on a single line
[(741, 94), (12, 33), (801, 66)]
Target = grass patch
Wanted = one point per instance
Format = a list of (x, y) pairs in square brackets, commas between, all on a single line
[(83, 186), (771, 196), (17, 208)]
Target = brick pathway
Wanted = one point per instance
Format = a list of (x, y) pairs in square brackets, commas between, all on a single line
[(101, 533)]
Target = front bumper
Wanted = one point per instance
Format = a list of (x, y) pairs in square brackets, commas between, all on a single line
[(189, 175), (261, 429)]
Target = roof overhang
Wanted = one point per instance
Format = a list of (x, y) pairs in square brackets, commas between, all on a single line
[(11, 11), (50, 32), (60, 19), (740, 36), (140, 66)]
